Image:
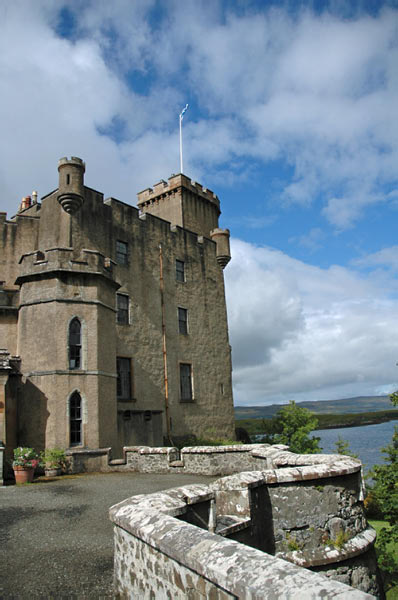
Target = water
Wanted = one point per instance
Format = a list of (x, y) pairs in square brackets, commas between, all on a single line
[(365, 441)]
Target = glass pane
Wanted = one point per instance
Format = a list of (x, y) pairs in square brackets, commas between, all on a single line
[(122, 309), (185, 382), (183, 320), (75, 419), (180, 274), (121, 252), (123, 378)]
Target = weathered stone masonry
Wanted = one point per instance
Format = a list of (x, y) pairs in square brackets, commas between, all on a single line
[(227, 539), (145, 290)]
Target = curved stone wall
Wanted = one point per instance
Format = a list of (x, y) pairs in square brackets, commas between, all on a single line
[(304, 509)]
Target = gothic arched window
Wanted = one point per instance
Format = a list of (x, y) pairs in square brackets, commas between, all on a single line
[(75, 419), (75, 344)]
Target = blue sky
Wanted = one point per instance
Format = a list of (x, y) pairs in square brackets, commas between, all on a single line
[(292, 121)]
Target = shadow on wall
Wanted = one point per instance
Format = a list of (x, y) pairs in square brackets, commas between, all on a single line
[(32, 416)]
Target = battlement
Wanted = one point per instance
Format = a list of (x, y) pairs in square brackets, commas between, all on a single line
[(72, 160), (176, 182), (37, 263)]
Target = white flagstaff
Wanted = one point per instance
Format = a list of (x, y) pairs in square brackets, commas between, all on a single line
[(181, 118)]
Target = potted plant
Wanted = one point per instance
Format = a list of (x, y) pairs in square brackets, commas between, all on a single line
[(24, 464), (54, 460)]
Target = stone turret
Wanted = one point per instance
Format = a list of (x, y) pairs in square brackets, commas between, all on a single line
[(182, 202), (71, 184), (223, 252)]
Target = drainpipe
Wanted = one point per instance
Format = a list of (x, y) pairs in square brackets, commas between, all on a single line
[(164, 348)]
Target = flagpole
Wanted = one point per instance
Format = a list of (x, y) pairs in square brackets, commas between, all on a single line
[(181, 118), (181, 167)]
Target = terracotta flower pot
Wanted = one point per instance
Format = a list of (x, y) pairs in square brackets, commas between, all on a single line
[(23, 474)]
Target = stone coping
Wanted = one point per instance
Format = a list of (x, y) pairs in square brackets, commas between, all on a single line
[(265, 464), (243, 571), (330, 554), (222, 449), (89, 451)]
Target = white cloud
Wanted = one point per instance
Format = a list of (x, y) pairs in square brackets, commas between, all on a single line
[(317, 92), (387, 257), (312, 240), (301, 332)]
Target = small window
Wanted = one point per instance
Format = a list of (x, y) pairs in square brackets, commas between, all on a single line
[(75, 419), (183, 320), (180, 270), (68, 179), (75, 345), (121, 252), (123, 367), (186, 382), (122, 303)]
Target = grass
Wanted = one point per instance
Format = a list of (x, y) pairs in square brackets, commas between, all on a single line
[(392, 594)]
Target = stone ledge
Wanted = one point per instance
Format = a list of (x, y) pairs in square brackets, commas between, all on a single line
[(353, 547), (221, 449)]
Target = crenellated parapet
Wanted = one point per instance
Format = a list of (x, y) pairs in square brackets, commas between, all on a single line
[(38, 264), (182, 202), (162, 189)]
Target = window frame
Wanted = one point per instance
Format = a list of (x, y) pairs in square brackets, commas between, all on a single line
[(122, 313), (182, 314), (73, 419), (75, 348), (124, 397), (180, 272), (122, 258), (188, 376)]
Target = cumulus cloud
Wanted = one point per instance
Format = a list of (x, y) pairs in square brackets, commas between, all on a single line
[(313, 92), (302, 332)]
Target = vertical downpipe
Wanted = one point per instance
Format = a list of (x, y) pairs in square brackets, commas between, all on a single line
[(164, 347)]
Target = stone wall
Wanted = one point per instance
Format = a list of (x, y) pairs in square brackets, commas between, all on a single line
[(57, 265), (305, 509)]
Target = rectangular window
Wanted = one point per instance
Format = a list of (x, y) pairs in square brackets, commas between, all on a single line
[(180, 270), (123, 367), (75, 419), (121, 252), (122, 305), (183, 320), (186, 382)]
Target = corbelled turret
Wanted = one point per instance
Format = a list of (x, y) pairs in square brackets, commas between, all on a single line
[(71, 184)]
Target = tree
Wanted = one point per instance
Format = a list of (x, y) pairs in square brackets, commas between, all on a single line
[(385, 494), (343, 447), (292, 426)]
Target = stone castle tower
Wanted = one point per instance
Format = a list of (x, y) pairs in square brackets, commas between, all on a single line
[(116, 317)]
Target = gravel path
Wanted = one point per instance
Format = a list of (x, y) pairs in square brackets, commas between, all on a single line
[(56, 539)]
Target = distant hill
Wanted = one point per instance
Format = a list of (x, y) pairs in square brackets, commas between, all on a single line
[(343, 406)]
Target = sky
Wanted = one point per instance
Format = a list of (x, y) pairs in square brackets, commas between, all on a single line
[(292, 122)]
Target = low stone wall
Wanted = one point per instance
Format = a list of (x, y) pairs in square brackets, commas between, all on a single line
[(164, 549), (305, 509), (207, 460)]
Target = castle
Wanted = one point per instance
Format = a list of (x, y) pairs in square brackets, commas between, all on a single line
[(113, 325)]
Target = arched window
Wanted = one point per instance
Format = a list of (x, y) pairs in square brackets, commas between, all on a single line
[(75, 419), (75, 344)]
